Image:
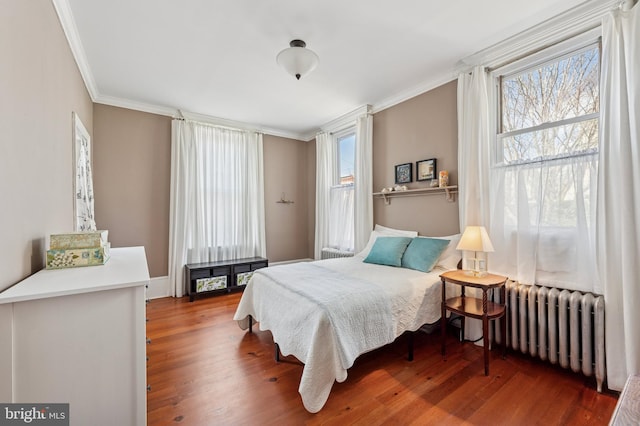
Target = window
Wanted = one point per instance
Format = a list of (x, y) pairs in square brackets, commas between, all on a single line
[(545, 169), (218, 211), (550, 110), (346, 158), (341, 209)]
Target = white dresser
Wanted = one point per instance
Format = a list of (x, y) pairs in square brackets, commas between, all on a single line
[(77, 336)]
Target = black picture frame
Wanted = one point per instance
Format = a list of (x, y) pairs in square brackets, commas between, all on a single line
[(404, 173), (426, 170)]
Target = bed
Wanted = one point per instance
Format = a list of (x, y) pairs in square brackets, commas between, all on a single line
[(326, 313)]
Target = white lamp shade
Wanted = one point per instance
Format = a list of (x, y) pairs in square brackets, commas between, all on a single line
[(475, 238), (297, 61)]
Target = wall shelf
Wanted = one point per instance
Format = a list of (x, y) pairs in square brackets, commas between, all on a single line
[(449, 192)]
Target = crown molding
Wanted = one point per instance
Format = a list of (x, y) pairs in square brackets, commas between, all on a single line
[(134, 105), (303, 137), (224, 122), (346, 120), (571, 23), (412, 92), (65, 15), (309, 136)]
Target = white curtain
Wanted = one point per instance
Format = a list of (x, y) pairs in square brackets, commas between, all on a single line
[(522, 205), (217, 196), (474, 140), (326, 172), (363, 176), (341, 205), (618, 231), (473, 158), (543, 222)]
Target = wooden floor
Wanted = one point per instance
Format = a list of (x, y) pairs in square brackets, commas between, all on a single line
[(204, 370)]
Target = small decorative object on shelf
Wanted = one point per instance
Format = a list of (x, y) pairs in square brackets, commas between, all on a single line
[(434, 183), (88, 248), (444, 179)]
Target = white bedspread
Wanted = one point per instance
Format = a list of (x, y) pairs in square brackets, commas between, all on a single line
[(329, 312)]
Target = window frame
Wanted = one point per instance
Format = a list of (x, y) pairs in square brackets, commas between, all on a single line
[(544, 55), (337, 186), (342, 134)]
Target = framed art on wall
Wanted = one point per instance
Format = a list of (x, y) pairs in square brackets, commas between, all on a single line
[(82, 181), (404, 173), (426, 169)]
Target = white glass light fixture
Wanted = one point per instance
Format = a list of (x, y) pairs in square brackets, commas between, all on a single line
[(297, 60), (475, 239)]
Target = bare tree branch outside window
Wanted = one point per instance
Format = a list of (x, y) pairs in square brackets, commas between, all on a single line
[(549, 115)]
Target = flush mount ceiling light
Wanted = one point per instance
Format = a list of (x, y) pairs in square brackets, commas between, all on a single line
[(297, 60)]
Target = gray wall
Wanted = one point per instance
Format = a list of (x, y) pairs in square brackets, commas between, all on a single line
[(132, 172), (286, 171), (40, 87), (420, 128)]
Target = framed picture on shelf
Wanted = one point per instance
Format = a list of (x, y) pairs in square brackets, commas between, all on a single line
[(426, 170), (404, 173)]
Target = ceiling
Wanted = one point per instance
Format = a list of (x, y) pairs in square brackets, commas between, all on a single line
[(217, 58)]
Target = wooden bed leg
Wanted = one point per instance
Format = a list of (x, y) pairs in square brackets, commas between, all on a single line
[(410, 356), (277, 352), (250, 324)]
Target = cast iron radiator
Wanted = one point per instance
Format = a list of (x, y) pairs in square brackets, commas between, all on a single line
[(560, 326), (331, 253)]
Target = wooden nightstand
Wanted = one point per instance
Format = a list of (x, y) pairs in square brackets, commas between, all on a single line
[(473, 307)]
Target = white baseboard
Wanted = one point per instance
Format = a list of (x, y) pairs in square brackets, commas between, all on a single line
[(159, 287)]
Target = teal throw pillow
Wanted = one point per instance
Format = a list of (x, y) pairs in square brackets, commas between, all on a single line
[(388, 251), (423, 253)]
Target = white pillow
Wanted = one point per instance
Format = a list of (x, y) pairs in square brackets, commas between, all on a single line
[(383, 231), (395, 232), (450, 256)]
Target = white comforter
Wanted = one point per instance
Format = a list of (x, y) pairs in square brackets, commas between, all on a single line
[(327, 313)]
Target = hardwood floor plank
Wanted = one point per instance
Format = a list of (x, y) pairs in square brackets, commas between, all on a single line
[(204, 370)]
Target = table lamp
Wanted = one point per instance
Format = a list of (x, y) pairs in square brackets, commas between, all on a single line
[(475, 239)]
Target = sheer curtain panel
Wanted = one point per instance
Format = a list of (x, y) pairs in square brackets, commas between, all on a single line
[(618, 230), (474, 139), (341, 204), (473, 161), (363, 205), (326, 172), (543, 222), (217, 196)]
